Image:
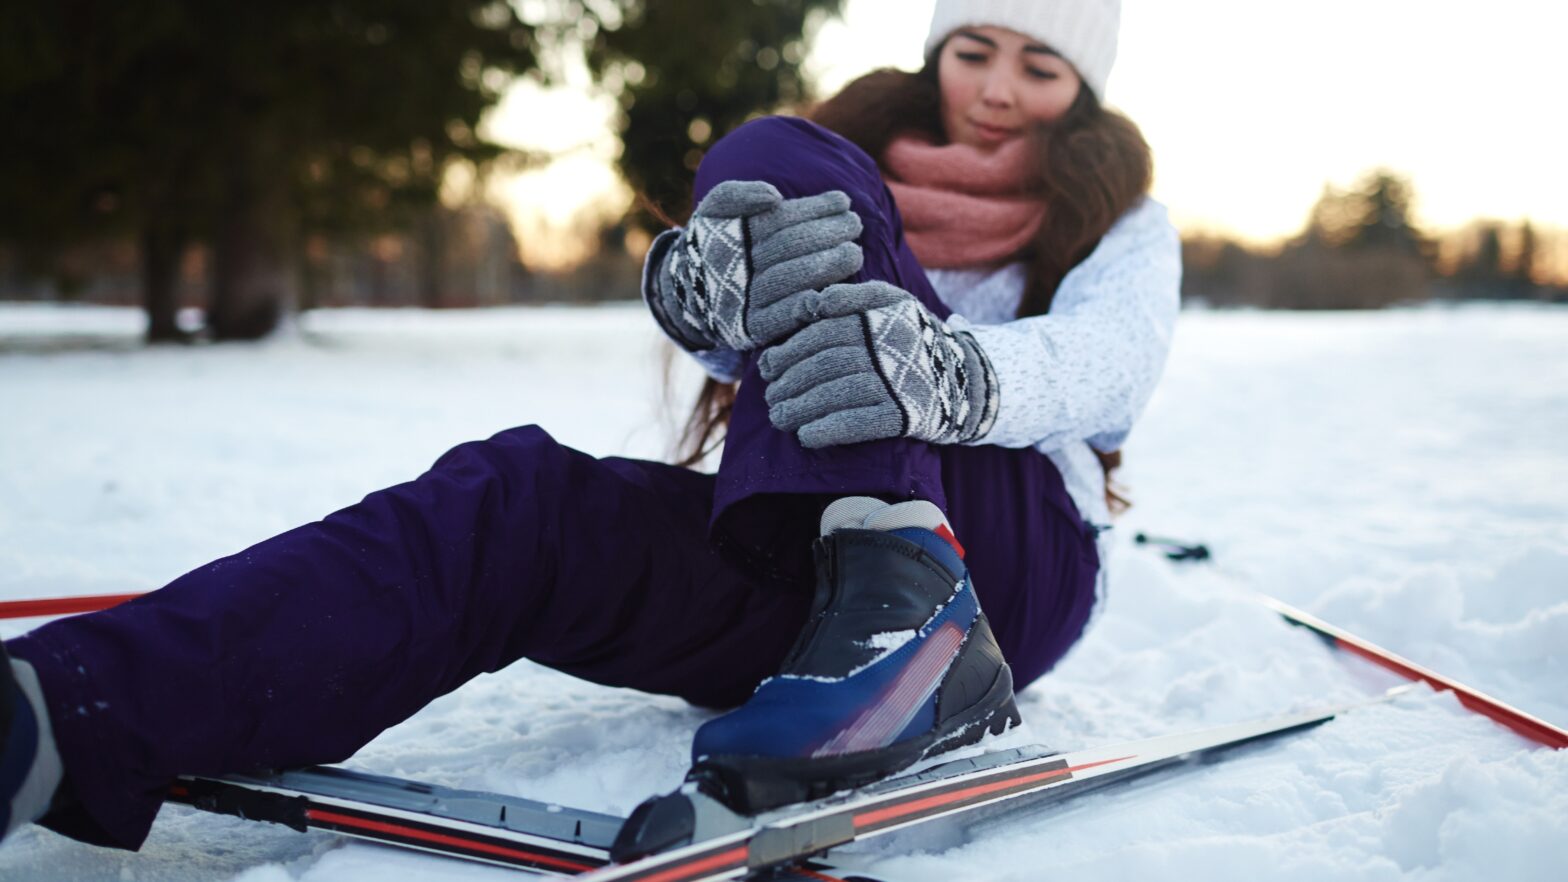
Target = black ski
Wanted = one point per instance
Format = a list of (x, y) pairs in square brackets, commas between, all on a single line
[(687, 836), (469, 824)]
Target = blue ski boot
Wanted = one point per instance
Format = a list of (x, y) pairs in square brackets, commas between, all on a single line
[(896, 663)]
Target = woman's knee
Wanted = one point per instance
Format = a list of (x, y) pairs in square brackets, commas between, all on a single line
[(795, 155), (516, 465), (802, 159)]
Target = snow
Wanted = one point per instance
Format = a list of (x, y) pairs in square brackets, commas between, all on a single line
[(889, 642), (1401, 474)]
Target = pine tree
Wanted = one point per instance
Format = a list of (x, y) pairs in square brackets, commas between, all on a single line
[(252, 127), (687, 72)]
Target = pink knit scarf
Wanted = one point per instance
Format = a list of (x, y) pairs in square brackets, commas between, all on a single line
[(962, 207)]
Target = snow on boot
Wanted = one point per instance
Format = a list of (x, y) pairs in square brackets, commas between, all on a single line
[(896, 663), (30, 770)]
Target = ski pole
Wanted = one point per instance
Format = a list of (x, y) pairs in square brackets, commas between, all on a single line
[(1528, 725), (60, 606), (1174, 549)]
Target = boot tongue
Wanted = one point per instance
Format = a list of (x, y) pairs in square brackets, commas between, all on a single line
[(850, 513), (866, 513), (915, 513)]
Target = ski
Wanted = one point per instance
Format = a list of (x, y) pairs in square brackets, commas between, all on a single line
[(473, 825), (1524, 724), (687, 836), (690, 837)]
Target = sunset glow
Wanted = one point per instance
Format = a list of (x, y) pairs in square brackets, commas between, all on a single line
[(1251, 108)]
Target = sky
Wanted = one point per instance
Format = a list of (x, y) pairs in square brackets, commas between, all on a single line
[(1251, 108)]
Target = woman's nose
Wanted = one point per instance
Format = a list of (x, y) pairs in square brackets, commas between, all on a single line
[(998, 91)]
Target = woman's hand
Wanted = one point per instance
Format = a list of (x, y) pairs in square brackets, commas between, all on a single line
[(874, 363), (731, 278)]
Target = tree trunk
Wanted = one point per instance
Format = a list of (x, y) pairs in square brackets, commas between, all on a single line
[(160, 252), (253, 279), (432, 259)]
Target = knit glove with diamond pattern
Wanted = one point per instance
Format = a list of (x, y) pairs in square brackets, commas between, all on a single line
[(731, 279), (874, 363)]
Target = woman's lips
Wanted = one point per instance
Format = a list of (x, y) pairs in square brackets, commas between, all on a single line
[(993, 133)]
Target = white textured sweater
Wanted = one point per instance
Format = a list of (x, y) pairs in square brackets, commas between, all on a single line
[(1078, 376)]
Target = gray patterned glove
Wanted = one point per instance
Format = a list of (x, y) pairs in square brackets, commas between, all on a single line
[(874, 363), (730, 278)]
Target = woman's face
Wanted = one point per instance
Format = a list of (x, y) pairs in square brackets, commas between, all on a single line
[(997, 83)]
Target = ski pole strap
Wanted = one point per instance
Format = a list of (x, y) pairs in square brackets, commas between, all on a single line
[(1531, 727), (60, 606)]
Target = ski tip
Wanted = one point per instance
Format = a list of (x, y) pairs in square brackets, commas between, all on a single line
[(659, 824)]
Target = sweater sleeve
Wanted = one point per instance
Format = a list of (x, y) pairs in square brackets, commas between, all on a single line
[(724, 365), (1085, 370)]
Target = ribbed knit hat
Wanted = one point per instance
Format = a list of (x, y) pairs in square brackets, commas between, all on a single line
[(1084, 31)]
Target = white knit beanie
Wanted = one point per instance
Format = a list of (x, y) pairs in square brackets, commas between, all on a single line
[(1084, 31)]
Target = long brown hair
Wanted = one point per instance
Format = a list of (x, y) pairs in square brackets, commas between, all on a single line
[(1092, 166)]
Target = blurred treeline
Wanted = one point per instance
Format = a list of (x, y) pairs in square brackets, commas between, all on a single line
[(253, 158), (1360, 249)]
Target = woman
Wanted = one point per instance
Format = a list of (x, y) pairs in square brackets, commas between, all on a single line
[(817, 580)]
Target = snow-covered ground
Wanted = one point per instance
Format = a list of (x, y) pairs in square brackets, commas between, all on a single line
[(1403, 474)]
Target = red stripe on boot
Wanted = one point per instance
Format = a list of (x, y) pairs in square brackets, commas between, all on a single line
[(945, 533)]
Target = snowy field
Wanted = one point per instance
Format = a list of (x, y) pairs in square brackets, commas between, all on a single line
[(1402, 474)]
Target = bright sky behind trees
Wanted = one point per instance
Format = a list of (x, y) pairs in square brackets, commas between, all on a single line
[(1251, 108)]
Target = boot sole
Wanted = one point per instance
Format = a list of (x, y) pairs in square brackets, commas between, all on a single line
[(753, 784)]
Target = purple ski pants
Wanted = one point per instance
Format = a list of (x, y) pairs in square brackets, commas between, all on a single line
[(302, 648)]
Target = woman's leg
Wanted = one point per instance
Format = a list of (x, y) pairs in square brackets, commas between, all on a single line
[(770, 487), (1033, 557), (301, 649), (897, 661)]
